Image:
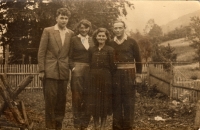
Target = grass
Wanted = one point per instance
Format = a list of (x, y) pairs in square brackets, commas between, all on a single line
[(149, 105), (185, 53)]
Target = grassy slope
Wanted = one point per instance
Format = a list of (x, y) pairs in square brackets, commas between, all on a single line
[(185, 53)]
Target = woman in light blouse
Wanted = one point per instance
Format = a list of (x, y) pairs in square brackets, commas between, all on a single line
[(79, 64)]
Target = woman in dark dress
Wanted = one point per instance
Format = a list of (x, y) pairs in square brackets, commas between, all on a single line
[(101, 67), (79, 64)]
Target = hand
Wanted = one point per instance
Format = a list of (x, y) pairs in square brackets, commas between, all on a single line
[(73, 69), (41, 76), (138, 80)]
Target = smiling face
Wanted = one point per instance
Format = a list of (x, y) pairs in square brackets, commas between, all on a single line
[(83, 30), (101, 37), (62, 21)]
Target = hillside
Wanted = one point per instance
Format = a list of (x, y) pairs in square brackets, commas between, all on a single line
[(181, 21), (185, 53)]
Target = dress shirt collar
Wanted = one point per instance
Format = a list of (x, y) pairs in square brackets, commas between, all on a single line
[(122, 40), (82, 37), (65, 29)]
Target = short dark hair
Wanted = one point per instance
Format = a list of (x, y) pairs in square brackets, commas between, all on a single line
[(86, 23), (98, 31), (63, 11), (119, 21)]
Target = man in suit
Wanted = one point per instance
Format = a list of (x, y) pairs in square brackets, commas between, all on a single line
[(54, 68)]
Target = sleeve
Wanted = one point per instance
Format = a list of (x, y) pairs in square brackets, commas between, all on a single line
[(113, 66), (90, 56), (71, 51), (138, 59), (42, 50)]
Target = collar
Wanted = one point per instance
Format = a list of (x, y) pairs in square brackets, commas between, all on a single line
[(103, 48), (123, 39), (80, 36), (65, 29)]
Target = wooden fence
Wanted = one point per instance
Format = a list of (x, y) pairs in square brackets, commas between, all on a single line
[(17, 72), (168, 82), (174, 84)]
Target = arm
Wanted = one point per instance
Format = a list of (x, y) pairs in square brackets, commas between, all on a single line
[(71, 51), (138, 63), (137, 57), (111, 60), (42, 53), (90, 56)]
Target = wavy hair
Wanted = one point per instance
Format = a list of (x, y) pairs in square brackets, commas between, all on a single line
[(97, 31), (86, 23), (63, 11)]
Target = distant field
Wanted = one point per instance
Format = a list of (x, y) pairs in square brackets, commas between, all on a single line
[(184, 51), (189, 70), (176, 42)]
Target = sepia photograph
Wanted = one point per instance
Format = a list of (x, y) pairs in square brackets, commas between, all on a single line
[(99, 65)]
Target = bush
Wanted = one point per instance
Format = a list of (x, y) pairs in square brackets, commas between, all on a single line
[(194, 77)]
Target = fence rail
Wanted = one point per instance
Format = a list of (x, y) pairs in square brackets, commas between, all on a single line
[(17, 72), (166, 81), (173, 83)]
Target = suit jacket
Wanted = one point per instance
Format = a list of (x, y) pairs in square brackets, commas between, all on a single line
[(52, 55), (78, 52)]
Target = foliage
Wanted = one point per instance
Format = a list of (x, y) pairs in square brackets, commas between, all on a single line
[(164, 54), (144, 44), (146, 48), (195, 36), (153, 31), (178, 32), (194, 77), (182, 106), (32, 16), (149, 26)]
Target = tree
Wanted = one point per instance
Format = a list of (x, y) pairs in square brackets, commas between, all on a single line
[(195, 36), (164, 54), (24, 20), (149, 26), (178, 32), (144, 44), (153, 31)]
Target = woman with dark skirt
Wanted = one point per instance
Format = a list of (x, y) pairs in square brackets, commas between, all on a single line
[(79, 64), (101, 68)]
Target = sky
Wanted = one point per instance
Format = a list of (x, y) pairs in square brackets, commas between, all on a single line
[(161, 11)]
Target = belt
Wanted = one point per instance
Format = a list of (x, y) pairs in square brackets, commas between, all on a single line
[(125, 66), (79, 63)]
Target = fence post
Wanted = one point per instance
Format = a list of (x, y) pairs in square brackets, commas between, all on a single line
[(197, 116), (29, 59), (171, 80), (6, 59)]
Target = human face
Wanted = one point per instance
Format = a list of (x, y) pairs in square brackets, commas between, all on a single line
[(83, 30), (62, 21), (101, 38), (118, 29)]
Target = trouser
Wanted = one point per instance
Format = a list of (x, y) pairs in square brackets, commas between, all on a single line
[(79, 85), (55, 101), (123, 99)]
